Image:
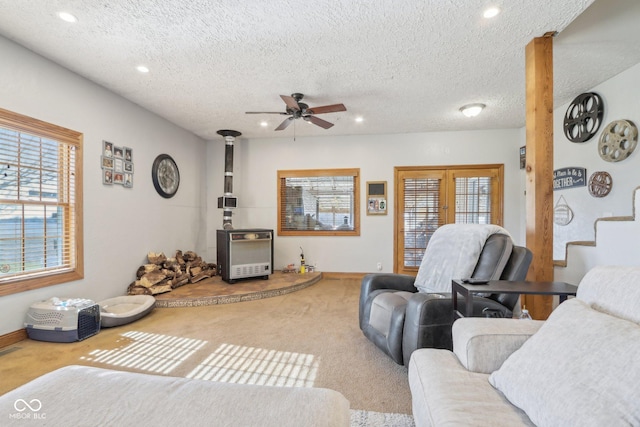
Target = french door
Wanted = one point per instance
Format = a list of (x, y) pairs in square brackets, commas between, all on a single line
[(428, 197)]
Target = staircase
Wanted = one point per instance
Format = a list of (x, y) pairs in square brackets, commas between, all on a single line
[(616, 242)]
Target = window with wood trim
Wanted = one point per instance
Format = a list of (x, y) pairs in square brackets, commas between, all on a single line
[(319, 202), (40, 204)]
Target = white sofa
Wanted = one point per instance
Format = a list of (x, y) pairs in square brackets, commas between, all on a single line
[(579, 368), (87, 396)]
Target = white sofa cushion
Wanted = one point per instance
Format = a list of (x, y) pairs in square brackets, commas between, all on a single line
[(482, 344), (614, 290), (445, 394), (88, 396), (579, 369)]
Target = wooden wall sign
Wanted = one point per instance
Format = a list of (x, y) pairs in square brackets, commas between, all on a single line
[(569, 177)]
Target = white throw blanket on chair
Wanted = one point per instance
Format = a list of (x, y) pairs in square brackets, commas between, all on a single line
[(452, 253)]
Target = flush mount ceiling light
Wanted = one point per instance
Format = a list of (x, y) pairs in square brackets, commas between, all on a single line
[(472, 110), (359, 119), (67, 17), (491, 12), (142, 69)]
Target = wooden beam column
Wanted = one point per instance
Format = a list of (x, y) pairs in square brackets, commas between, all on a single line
[(539, 169)]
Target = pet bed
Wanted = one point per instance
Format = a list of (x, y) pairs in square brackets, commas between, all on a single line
[(125, 309)]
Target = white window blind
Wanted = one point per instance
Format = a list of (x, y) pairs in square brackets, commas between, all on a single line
[(421, 216), (473, 200), (38, 204)]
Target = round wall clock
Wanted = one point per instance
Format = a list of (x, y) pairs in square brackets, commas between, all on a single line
[(165, 176)]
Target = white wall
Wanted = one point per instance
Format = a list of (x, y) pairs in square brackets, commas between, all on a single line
[(120, 225), (620, 96), (616, 244), (256, 164)]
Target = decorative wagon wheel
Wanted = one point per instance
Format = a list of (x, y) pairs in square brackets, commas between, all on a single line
[(583, 117), (618, 140), (600, 184)]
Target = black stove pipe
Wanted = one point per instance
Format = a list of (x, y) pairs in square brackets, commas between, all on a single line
[(229, 137)]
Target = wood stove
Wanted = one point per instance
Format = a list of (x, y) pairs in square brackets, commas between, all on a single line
[(244, 253)]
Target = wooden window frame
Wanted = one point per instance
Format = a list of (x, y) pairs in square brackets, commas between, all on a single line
[(448, 174), (283, 174), (73, 231)]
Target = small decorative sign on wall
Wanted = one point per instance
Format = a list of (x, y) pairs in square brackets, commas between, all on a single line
[(376, 197), (569, 178)]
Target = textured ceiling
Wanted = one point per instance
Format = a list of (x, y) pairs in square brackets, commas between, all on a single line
[(402, 65)]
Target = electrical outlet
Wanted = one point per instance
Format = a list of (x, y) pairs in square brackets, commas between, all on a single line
[(379, 266)]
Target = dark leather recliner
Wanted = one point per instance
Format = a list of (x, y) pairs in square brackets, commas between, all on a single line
[(412, 320)]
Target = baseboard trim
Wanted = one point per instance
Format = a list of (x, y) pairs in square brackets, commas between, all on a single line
[(13, 337), (343, 276)]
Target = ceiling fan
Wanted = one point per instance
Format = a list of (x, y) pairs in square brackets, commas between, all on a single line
[(296, 110)]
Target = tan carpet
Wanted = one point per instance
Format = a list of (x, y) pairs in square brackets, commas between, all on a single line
[(306, 338)]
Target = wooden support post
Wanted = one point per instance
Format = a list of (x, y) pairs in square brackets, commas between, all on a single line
[(539, 169)]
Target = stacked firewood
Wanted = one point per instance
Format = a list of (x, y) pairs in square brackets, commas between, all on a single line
[(164, 274)]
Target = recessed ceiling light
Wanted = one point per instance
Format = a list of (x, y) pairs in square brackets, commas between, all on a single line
[(67, 17), (491, 12), (359, 119), (472, 110), (142, 69), (264, 124)]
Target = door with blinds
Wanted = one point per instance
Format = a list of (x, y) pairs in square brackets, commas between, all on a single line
[(428, 197)]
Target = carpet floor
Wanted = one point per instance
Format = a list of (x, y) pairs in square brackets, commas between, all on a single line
[(306, 338), (377, 419)]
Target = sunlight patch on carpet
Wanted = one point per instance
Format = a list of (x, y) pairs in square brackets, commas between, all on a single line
[(249, 365), (148, 352)]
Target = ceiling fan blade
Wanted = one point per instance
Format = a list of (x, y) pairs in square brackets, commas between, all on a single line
[(327, 109), (291, 102), (319, 122), (265, 112), (284, 124)]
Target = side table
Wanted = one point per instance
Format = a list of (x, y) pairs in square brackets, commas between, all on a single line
[(468, 290)]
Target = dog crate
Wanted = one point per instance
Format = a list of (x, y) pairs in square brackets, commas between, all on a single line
[(63, 320)]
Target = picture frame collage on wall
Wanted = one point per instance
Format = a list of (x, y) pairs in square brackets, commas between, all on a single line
[(117, 165)]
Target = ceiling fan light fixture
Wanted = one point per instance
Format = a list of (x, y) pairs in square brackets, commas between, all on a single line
[(296, 109), (472, 110)]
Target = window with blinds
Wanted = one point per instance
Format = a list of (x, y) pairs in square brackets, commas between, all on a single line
[(473, 200), (421, 216), (40, 209), (318, 202)]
